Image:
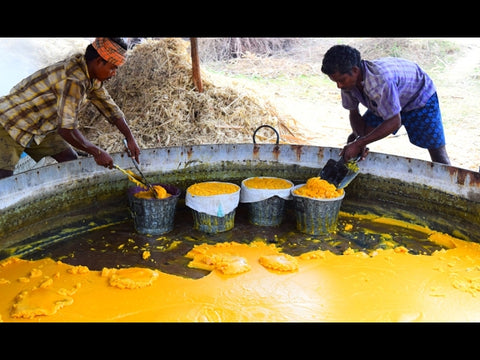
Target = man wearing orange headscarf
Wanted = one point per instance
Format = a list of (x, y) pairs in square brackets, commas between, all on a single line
[(40, 114)]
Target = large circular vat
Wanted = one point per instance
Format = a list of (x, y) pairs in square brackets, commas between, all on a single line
[(77, 214), (58, 202)]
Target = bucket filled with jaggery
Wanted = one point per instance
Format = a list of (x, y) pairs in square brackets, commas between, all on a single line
[(265, 198), (213, 205), (153, 214), (317, 205)]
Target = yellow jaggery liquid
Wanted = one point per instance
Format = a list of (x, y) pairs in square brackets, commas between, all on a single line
[(148, 194), (255, 282), (212, 188), (318, 188), (267, 183)]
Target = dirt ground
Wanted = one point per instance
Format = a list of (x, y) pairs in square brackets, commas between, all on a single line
[(319, 115)]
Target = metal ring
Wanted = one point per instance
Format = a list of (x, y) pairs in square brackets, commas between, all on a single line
[(271, 127)]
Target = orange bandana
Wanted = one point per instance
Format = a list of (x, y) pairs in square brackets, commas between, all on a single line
[(110, 51)]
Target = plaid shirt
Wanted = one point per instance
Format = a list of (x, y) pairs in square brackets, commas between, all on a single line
[(52, 98), (390, 85)]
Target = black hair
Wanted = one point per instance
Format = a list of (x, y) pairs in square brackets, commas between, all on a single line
[(91, 53), (341, 59)]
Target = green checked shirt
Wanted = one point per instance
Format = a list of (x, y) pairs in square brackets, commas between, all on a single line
[(52, 98)]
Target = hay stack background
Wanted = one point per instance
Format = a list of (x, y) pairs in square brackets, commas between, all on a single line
[(155, 90)]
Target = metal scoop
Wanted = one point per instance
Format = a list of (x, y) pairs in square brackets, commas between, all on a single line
[(133, 177), (143, 178), (340, 173)]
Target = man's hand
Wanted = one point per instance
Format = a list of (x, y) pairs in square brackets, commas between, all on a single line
[(133, 149), (369, 135), (353, 149), (103, 158)]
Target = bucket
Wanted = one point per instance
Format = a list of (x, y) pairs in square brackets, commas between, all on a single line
[(211, 224), (268, 212), (316, 216), (266, 206), (153, 216), (213, 213)]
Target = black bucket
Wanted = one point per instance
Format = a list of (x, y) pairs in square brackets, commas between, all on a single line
[(316, 216), (153, 216), (268, 212), (213, 224)]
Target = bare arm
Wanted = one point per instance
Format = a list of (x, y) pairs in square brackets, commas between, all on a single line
[(123, 127), (75, 138), (357, 123), (358, 146)]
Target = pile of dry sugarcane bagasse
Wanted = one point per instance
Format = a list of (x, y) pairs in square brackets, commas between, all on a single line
[(155, 90)]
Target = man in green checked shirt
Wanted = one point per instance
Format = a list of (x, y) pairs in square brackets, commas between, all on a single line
[(40, 114)]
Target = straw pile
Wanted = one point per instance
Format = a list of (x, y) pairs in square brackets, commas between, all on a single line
[(155, 90)]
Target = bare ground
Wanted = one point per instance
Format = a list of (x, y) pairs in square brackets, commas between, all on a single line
[(317, 109)]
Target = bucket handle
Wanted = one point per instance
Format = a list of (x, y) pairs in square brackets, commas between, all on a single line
[(271, 127)]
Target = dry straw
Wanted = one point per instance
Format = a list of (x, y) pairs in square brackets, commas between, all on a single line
[(155, 90)]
